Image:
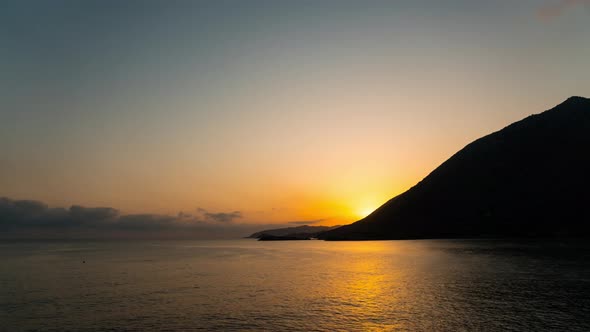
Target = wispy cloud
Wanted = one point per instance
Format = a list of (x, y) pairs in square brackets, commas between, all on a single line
[(556, 9), (306, 222), (224, 217)]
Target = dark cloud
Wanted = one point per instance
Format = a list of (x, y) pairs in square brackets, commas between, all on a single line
[(556, 9), (223, 217), (182, 215), (306, 222), (27, 213), (84, 214), (34, 219)]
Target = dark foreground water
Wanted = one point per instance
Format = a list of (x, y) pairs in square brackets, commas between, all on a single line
[(287, 286)]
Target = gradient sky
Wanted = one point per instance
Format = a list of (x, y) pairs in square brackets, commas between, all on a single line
[(282, 110)]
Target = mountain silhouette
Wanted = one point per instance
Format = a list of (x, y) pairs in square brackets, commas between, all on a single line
[(530, 179)]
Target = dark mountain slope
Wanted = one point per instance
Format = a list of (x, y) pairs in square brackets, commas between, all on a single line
[(530, 179)]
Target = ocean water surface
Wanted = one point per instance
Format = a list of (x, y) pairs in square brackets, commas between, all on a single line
[(243, 285)]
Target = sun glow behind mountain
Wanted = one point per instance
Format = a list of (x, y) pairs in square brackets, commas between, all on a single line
[(367, 206), (363, 212), (286, 112)]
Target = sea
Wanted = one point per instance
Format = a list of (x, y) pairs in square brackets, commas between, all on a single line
[(248, 285)]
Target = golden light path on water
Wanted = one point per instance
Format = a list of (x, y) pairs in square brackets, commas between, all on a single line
[(247, 285)]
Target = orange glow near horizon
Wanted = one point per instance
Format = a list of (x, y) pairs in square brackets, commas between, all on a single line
[(277, 112), (336, 151)]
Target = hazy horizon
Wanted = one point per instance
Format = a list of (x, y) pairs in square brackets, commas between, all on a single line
[(229, 115)]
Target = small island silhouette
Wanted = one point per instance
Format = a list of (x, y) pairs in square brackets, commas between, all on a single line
[(530, 179), (304, 232)]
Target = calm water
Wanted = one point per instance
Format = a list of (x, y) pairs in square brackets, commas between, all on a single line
[(289, 286)]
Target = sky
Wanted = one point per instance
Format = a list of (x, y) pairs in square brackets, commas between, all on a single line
[(266, 112)]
